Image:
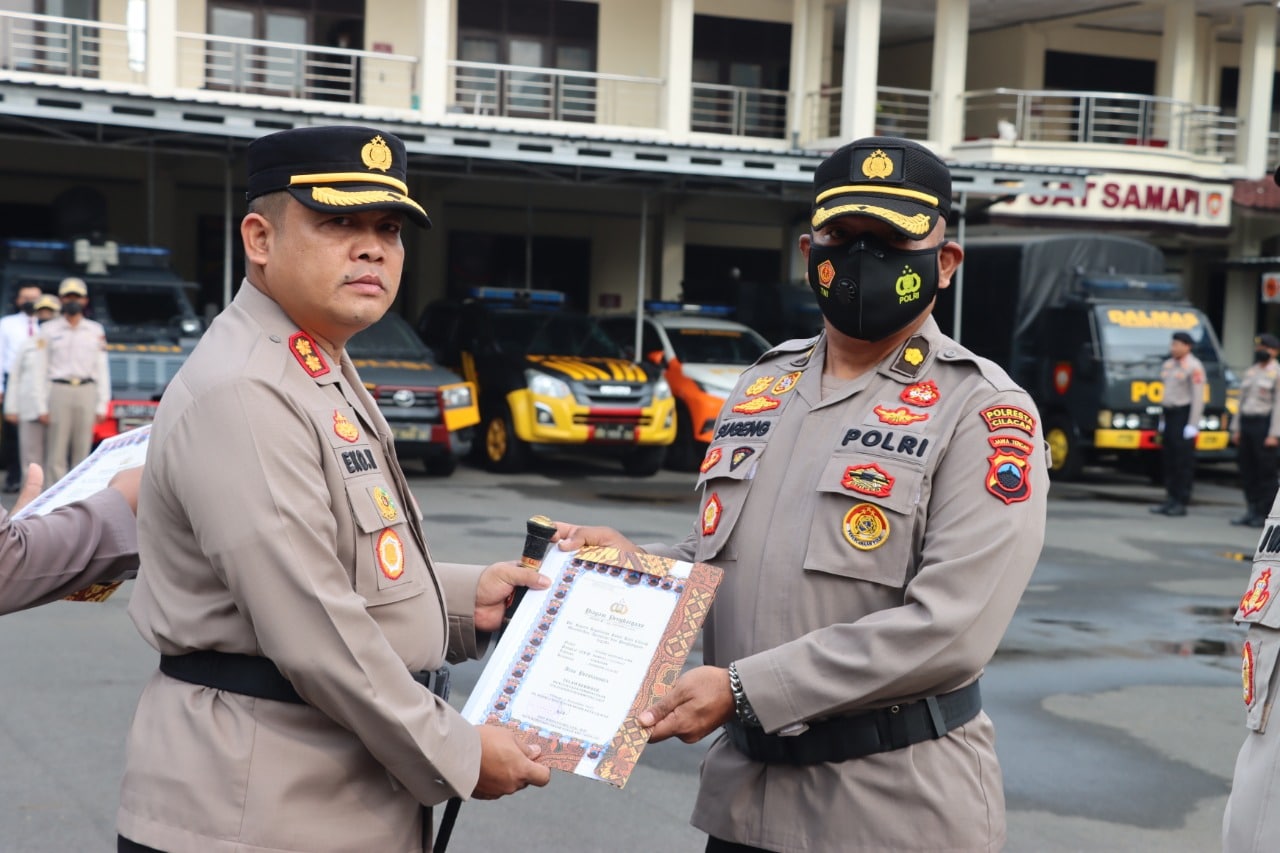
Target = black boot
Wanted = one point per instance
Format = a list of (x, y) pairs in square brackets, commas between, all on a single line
[(1249, 517), (1176, 509), (1164, 508)]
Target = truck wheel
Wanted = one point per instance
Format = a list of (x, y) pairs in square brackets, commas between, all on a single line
[(503, 451), (685, 452), (643, 461), (1067, 457), (440, 464)]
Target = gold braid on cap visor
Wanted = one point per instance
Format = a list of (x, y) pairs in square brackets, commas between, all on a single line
[(355, 198), (917, 223)]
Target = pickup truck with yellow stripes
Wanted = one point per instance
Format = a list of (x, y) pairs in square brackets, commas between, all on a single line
[(548, 378), (1083, 322)]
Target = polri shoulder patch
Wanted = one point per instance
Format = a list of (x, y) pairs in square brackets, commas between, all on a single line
[(1007, 478), (1000, 417), (913, 357), (304, 349)]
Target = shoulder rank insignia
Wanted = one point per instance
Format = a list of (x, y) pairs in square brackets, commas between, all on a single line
[(1007, 477), (1258, 595), (712, 457), (756, 405), (344, 429), (866, 527), (868, 479), (711, 512), (1246, 671), (308, 354), (786, 383), (742, 454), (901, 416), (759, 386), (999, 417), (385, 503), (390, 554), (912, 358), (922, 394)]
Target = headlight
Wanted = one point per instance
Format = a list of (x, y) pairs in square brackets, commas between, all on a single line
[(456, 396), (546, 386), (1117, 420), (1211, 423), (1132, 421), (661, 390), (1104, 418)]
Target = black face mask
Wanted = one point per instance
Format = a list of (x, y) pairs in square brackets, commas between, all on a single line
[(1261, 356), (869, 290), (71, 309), (27, 307)]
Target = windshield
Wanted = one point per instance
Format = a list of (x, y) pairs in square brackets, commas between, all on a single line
[(535, 333), (1142, 334), (390, 337), (137, 310), (716, 346)]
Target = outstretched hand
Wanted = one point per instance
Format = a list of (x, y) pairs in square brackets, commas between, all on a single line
[(699, 703), (571, 537)]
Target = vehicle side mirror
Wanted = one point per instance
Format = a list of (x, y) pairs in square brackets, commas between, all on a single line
[(656, 357)]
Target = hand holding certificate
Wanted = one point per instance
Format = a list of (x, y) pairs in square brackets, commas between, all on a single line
[(580, 660)]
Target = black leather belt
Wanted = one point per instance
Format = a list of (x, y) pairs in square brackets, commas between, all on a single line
[(845, 738), (256, 676), (75, 380)]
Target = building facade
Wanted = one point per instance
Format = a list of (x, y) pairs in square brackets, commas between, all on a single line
[(619, 150)]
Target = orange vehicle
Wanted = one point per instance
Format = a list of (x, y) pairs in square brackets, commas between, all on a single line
[(702, 355)]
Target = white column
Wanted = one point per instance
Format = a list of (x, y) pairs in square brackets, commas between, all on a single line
[(799, 109), (1240, 301), (861, 68), (677, 21), (1176, 73), (950, 59), (1257, 66), (433, 69), (162, 47)]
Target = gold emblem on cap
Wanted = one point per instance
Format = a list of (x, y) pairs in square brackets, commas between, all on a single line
[(376, 154), (878, 165)]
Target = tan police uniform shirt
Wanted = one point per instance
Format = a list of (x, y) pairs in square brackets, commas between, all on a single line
[(1251, 823), (1184, 385), (274, 520), (1258, 395), (24, 390), (46, 557), (875, 544), (75, 352)]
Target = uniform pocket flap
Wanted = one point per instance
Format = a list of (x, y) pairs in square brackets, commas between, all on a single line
[(732, 460), (372, 504), (892, 486)]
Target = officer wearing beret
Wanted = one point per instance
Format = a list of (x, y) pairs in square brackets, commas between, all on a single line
[(1182, 375), (1255, 430), (286, 581), (876, 496)]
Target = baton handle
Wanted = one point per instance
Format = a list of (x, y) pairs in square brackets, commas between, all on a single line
[(538, 532)]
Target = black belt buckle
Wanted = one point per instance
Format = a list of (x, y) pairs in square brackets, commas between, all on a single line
[(435, 680)]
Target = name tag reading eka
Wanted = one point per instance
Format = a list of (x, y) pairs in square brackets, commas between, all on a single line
[(906, 444), (359, 460)]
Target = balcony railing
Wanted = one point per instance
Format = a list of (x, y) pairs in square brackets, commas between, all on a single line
[(899, 112), (739, 111), (1103, 118), (67, 47), (282, 69), (553, 94)]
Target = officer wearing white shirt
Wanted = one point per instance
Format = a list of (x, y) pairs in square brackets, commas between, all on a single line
[(15, 328)]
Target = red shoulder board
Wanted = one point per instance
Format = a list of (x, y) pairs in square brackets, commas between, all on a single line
[(308, 354)]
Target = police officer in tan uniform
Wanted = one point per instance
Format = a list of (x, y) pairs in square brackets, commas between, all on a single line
[(1183, 377), (286, 581), (876, 497), (1255, 430), (26, 373), (76, 387)]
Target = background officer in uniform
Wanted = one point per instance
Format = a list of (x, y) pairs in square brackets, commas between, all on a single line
[(1255, 429), (77, 385), (46, 557), (286, 580), (1183, 377), (876, 496), (22, 402)]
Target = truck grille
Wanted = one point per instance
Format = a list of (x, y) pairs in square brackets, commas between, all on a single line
[(601, 417), (607, 393), (147, 373)]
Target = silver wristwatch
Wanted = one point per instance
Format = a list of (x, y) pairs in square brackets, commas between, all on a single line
[(741, 704)]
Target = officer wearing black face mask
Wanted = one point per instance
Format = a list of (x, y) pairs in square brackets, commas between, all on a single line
[(877, 496), (1255, 429)]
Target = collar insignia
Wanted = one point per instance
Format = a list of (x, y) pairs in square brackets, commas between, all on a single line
[(304, 349), (912, 358)]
